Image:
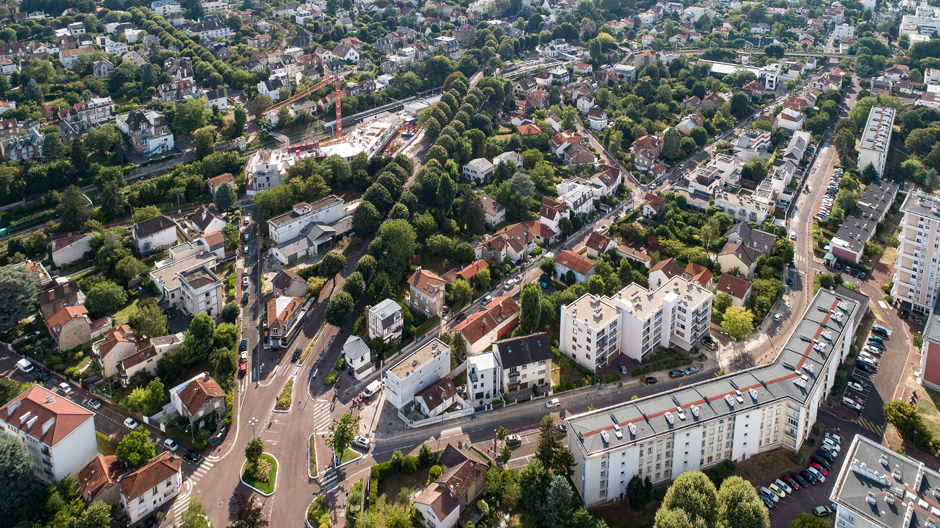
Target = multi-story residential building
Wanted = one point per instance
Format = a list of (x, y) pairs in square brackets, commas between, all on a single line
[(576, 193), (526, 362), (742, 208), (198, 398), (19, 148), (478, 170), (210, 29), (607, 180), (645, 151), (754, 239), (426, 292), (482, 329), (71, 327), (635, 322), (462, 481), (385, 321), (201, 291), (93, 111), (146, 359), (418, 370), (484, 378), (59, 435), (876, 138), (264, 170), (307, 228), (494, 211), (917, 273), (166, 276), (737, 257), (729, 418), (860, 224), (57, 297), (99, 480), (118, 344), (156, 483), (358, 357), (283, 315), (149, 131), (154, 233)]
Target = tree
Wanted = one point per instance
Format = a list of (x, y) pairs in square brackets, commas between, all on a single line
[(146, 400), (204, 142), (195, 516), (73, 209), (19, 293), (105, 298), (339, 308), (135, 448), (246, 513), (190, 116), (563, 461), (78, 157), (366, 218), (342, 431), (128, 268), (145, 213), (399, 238), (445, 193), (331, 264), (366, 266), (808, 520), (907, 420), (740, 506), (241, 119), (596, 285), (557, 501), (695, 495), (920, 141), (533, 482), (671, 141), (33, 92), (17, 469), (261, 103), (254, 450), (198, 339), (739, 104), (52, 146), (505, 454), (547, 443), (530, 307), (869, 173), (471, 212), (230, 312), (739, 322), (224, 196), (844, 143), (461, 292), (354, 285), (380, 197), (483, 279)]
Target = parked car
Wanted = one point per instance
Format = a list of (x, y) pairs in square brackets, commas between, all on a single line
[(835, 445), (808, 477), (834, 437), (245, 298), (244, 281), (131, 423), (820, 476), (362, 441), (622, 368), (855, 386), (94, 404), (783, 485), (170, 445), (66, 388), (769, 494), (876, 339), (676, 373), (708, 342), (822, 511), (513, 440), (865, 367), (650, 380), (825, 448), (778, 491), (244, 345), (819, 467), (792, 482), (767, 502), (192, 456), (851, 404), (691, 370), (41, 375)]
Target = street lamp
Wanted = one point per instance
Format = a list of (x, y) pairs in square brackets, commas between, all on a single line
[(252, 423)]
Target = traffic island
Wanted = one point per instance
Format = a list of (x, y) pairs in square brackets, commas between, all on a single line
[(285, 400), (261, 477)]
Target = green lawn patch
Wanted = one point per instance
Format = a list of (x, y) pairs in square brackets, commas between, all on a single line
[(427, 326), (775, 462), (106, 446), (264, 487), (348, 456), (124, 314), (284, 399), (75, 267)]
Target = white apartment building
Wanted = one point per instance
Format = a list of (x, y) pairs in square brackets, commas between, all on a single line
[(636, 322), (556, 48), (264, 170), (876, 138), (478, 170), (843, 30), (742, 208), (420, 369), (729, 418), (922, 25), (577, 194), (59, 435), (526, 362), (917, 272), (201, 291), (150, 487), (385, 321), (484, 378), (289, 226)]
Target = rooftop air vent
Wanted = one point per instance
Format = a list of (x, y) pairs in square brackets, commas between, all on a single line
[(870, 498), (799, 382), (753, 394), (605, 436), (809, 367), (681, 413), (738, 396), (884, 460), (695, 411), (729, 400), (889, 498), (669, 418), (632, 429)]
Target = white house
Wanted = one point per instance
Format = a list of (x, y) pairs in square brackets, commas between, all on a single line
[(201, 290), (478, 170), (66, 250), (577, 194), (359, 357), (385, 321), (484, 376), (597, 119), (150, 487), (153, 234), (581, 267), (415, 372), (290, 225), (59, 435), (526, 361)]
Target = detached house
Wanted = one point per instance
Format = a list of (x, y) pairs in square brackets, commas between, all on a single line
[(153, 234), (526, 362), (426, 292), (478, 170), (482, 329), (150, 487), (738, 289), (645, 151), (598, 244), (736, 256), (68, 249), (117, 345), (359, 357), (494, 211), (149, 131), (581, 267), (282, 319), (197, 398), (71, 327), (384, 321), (288, 283), (462, 481)]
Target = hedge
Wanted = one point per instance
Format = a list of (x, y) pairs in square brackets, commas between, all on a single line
[(332, 377), (660, 365), (611, 378)]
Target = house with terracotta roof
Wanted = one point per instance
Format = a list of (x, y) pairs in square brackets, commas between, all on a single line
[(700, 274), (59, 435), (521, 238), (552, 211), (537, 99), (598, 244), (198, 397), (635, 255), (117, 344), (145, 359), (494, 212), (68, 249), (581, 267), (99, 480), (54, 299), (442, 502), (663, 271), (562, 140), (739, 289), (653, 205), (528, 129), (436, 397), (71, 327), (465, 272), (426, 292), (482, 329), (282, 319), (213, 242), (739, 257), (288, 283), (645, 151), (214, 183), (156, 483)]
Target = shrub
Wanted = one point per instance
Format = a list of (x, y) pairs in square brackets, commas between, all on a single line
[(332, 377), (284, 399), (409, 465), (434, 473), (611, 378)]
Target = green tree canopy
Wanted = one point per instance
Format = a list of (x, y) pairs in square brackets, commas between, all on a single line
[(135, 448)]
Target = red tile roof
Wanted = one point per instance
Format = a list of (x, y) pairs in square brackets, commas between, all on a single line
[(598, 242), (280, 310), (160, 469), (66, 241), (121, 334), (527, 129), (482, 323), (43, 415), (574, 262), (427, 282), (669, 266), (733, 286), (438, 392), (101, 473), (197, 392), (699, 273), (63, 316)]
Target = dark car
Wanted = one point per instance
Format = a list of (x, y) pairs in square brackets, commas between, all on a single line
[(807, 476), (296, 355), (149, 522), (192, 456), (460, 317), (790, 282), (170, 314), (676, 373), (825, 456), (856, 379), (864, 367), (245, 298), (650, 380), (244, 345), (879, 331), (42, 376), (904, 314), (622, 368)]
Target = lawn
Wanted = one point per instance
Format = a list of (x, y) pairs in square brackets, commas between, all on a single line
[(776, 462), (927, 406), (349, 455), (426, 326), (396, 489), (619, 515), (312, 464), (75, 267), (106, 447), (264, 487), (124, 314)]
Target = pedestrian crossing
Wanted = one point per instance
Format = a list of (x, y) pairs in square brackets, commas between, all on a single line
[(186, 496), (321, 417), (877, 429), (329, 480)]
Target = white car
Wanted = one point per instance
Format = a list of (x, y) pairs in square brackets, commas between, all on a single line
[(834, 437), (131, 423), (66, 388), (769, 494), (170, 445), (362, 441), (854, 386), (851, 404), (552, 403), (832, 444), (783, 485), (244, 281), (819, 476)]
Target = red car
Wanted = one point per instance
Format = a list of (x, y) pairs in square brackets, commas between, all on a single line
[(819, 468), (790, 482)]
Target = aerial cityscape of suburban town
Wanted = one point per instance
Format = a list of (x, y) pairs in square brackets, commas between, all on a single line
[(475, 263)]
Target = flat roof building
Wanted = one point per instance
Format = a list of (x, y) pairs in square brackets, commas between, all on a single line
[(876, 139), (860, 225), (917, 275)]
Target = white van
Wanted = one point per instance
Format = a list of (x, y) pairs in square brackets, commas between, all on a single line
[(372, 389), (25, 365)]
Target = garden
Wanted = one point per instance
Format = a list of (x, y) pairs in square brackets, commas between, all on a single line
[(284, 400), (260, 468)]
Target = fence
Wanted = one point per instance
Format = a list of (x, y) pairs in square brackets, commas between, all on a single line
[(414, 424)]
